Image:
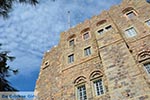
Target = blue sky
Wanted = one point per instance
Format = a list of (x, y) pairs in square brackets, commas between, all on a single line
[(31, 31)]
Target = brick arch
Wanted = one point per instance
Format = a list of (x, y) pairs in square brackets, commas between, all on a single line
[(96, 74), (128, 9), (71, 36), (85, 30), (79, 80), (101, 22), (143, 55)]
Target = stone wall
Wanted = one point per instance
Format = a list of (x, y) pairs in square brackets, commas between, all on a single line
[(115, 58)]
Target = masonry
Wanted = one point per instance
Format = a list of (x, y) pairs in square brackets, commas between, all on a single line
[(104, 58)]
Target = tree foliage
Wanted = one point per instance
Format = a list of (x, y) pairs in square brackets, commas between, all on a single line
[(5, 71), (6, 5)]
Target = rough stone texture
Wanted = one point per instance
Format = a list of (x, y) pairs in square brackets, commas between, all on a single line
[(117, 59)]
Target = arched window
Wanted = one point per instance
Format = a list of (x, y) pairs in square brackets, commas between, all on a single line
[(129, 12), (143, 55), (80, 88), (71, 39), (144, 58), (86, 33), (97, 81)]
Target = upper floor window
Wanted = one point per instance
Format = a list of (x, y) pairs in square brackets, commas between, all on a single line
[(86, 35), (71, 42), (97, 79), (143, 57), (81, 92), (80, 88), (147, 22), (87, 51), (147, 67), (108, 27), (71, 58), (131, 14), (131, 32), (101, 31), (98, 87)]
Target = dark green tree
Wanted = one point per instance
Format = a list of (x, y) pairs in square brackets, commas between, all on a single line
[(6, 5), (5, 71)]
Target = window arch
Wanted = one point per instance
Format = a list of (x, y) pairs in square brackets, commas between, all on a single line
[(71, 37), (127, 10), (80, 79), (85, 30), (143, 55), (101, 22), (95, 74)]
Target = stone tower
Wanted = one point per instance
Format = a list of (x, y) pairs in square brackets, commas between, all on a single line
[(104, 58)]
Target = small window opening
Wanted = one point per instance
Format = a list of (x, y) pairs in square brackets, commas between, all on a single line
[(86, 35), (87, 51), (131, 32), (131, 14), (147, 22), (71, 42), (101, 31), (108, 27), (71, 58)]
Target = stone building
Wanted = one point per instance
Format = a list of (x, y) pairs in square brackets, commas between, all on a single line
[(104, 58)]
